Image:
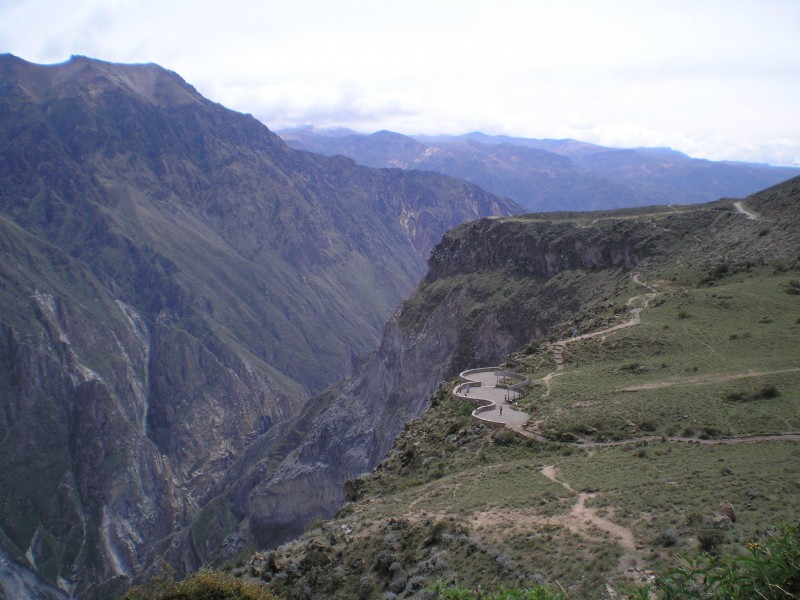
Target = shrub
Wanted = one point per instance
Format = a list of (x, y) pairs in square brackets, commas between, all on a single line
[(709, 539), (532, 348), (504, 437), (203, 585), (647, 425), (770, 391), (709, 432), (667, 538), (769, 572), (766, 392)]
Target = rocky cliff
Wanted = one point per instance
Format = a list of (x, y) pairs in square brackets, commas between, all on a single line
[(174, 281)]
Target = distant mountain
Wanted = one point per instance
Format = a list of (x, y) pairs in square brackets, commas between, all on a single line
[(174, 280), (549, 175)]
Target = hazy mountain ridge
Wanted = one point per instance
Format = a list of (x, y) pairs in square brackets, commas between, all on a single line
[(551, 175), (175, 281)]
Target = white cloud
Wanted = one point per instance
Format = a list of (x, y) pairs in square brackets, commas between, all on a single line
[(709, 78)]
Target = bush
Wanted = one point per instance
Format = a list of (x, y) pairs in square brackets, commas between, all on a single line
[(667, 538), (769, 572), (766, 392), (709, 539), (203, 585), (532, 348), (648, 425), (770, 391), (504, 437)]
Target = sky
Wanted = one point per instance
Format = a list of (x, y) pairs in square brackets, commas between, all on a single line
[(717, 79)]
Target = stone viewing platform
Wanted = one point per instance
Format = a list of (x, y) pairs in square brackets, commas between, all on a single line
[(492, 391)]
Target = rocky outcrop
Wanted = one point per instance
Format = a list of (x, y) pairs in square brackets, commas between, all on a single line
[(542, 248)]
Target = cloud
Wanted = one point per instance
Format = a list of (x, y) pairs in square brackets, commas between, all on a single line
[(704, 77)]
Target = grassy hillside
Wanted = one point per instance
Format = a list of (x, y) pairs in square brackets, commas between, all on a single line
[(669, 437)]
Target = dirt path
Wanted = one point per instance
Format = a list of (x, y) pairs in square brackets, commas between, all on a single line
[(636, 318), (703, 379), (739, 206), (547, 380), (581, 518)]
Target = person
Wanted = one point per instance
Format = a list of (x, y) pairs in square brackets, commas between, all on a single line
[(501, 411)]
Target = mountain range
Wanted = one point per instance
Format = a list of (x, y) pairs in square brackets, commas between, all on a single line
[(200, 350), (175, 280), (551, 175)]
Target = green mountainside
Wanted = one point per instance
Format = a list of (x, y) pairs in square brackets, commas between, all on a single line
[(551, 175), (174, 281), (647, 439)]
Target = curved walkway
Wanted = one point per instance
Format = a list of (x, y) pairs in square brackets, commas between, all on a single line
[(492, 402)]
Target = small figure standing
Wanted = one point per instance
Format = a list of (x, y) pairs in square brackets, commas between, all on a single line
[(501, 411)]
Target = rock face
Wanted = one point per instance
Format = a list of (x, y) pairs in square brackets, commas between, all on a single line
[(174, 281)]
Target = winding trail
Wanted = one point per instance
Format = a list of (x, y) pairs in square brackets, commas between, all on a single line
[(739, 206), (636, 318), (582, 518)]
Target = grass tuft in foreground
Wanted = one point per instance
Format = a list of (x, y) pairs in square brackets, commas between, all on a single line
[(771, 571), (453, 591)]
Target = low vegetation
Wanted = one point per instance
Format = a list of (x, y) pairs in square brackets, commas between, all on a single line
[(203, 585)]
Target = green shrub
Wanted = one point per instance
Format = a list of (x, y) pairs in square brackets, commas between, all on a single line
[(203, 585), (771, 571), (504, 437), (710, 539)]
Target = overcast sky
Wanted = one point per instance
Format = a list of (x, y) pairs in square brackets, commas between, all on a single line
[(717, 79)]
